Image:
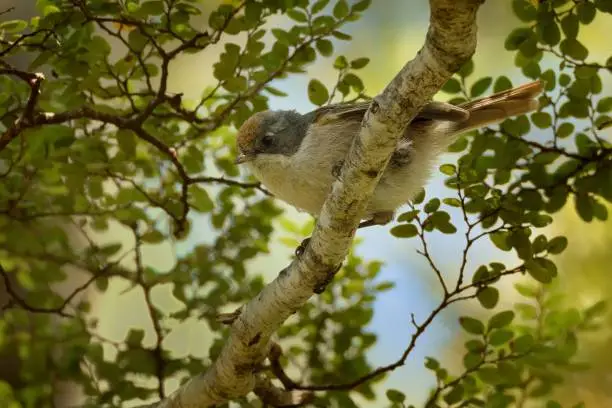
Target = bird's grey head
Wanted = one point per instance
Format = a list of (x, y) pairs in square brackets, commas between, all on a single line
[(270, 132)]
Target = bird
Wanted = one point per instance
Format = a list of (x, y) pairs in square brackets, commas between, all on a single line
[(297, 156)]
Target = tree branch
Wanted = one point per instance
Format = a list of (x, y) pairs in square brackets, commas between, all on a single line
[(34, 81), (451, 41)]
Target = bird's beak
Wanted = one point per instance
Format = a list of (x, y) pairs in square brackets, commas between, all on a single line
[(243, 158)]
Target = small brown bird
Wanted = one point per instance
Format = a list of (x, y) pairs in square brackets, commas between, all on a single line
[(294, 155)]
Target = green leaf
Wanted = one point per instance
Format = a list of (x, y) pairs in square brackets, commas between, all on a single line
[(584, 206), (557, 245), (408, 216), (574, 49), (480, 86), (604, 104), (317, 6), (488, 297), (432, 363), (394, 395), (200, 200), (418, 199), (448, 169), (517, 37), (325, 47), (459, 145), (510, 372), (275, 91), (525, 290), (523, 343), (281, 36), (317, 92), (606, 7), (384, 286), (153, 237), (432, 205), (361, 5), (252, 12), (549, 77), (490, 375), (102, 283), (543, 120), (500, 240), (475, 346), (452, 202), (126, 139), (452, 86), (524, 10), (538, 271), (471, 325), (404, 231), (341, 36), (471, 360), (539, 244), (13, 26), (570, 25), (500, 320), (341, 62), (297, 15), (137, 40), (151, 8), (586, 12), (596, 310), (549, 32), (481, 274), (354, 81), (565, 129), (466, 69), (454, 395), (502, 83), (500, 336), (341, 9), (532, 70), (439, 220), (359, 63), (134, 337), (520, 242)]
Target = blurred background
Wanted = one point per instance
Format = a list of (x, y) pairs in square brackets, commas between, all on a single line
[(390, 35)]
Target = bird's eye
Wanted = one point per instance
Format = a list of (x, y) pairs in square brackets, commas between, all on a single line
[(267, 140)]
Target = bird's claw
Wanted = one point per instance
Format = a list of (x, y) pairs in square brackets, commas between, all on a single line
[(302, 247), (337, 169), (323, 285)]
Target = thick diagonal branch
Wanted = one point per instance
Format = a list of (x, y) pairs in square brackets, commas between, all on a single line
[(451, 40)]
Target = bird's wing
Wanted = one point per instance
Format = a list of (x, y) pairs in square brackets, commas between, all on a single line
[(355, 112)]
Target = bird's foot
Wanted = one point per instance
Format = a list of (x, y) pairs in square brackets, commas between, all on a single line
[(380, 218), (402, 156), (320, 288), (302, 247), (337, 169)]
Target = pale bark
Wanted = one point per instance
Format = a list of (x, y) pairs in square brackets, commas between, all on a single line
[(450, 42)]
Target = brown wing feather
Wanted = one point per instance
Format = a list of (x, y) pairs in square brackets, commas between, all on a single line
[(356, 111), (512, 102), (523, 92)]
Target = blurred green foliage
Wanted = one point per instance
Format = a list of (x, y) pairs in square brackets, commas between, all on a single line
[(99, 142)]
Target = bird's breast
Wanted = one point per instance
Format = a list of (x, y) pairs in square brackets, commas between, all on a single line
[(303, 188), (304, 179)]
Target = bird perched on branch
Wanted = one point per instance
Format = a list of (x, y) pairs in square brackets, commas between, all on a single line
[(295, 155)]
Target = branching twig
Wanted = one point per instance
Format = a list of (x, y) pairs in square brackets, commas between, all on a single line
[(34, 81)]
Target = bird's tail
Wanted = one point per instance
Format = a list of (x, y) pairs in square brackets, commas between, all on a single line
[(497, 107)]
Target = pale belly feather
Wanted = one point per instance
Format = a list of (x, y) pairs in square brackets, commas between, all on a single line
[(304, 180)]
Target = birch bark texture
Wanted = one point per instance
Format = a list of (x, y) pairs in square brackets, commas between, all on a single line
[(450, 42)]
